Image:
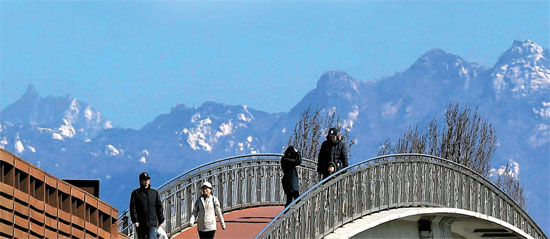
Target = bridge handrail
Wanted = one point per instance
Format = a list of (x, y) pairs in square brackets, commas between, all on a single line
[(340, 175), (172, 191), (207, 165)]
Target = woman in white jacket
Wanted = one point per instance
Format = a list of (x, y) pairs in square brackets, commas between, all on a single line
[(205, 210)]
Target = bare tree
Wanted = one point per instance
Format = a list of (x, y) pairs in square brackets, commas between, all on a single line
[(466, 138), (412, 141), (311, 128), (386, 148), (508, 180)]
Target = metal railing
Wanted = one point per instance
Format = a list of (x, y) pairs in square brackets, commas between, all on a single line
[(394, 181), (238, 182)]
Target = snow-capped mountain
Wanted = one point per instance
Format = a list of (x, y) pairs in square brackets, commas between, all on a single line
[(61, 117), (522, 71), (62, 133)]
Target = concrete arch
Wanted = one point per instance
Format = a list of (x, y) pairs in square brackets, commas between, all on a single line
[(353, 229)]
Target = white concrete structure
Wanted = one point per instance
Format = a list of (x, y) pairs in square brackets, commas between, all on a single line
[(443, 223)]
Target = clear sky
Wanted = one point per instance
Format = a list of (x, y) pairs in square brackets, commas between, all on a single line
[(135, 60)]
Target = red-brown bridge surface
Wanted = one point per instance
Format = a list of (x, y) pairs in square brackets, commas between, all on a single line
[(246, 223)]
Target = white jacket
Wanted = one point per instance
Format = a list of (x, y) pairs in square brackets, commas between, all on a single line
[(205, 211)]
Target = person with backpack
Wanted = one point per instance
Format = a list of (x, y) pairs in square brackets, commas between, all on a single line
[(334, 151), (289, 161), (205, 210)]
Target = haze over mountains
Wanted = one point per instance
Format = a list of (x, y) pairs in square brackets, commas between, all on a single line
[(70, 139)]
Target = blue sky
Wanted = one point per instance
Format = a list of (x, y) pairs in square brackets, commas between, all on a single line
[(135, 60)]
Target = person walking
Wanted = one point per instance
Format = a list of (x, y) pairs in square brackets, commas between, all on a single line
[(334, 151), (146, 210), (289, 161), (204, 213)]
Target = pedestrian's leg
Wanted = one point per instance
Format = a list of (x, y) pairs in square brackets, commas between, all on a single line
[(295, 195), (288, 198), (152, 232), (207, 234), (142, 232)]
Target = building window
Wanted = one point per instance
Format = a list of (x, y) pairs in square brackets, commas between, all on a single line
[(21, 181)]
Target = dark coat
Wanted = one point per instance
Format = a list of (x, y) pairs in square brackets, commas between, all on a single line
[(335, 152), (290, 175), (146, 208)]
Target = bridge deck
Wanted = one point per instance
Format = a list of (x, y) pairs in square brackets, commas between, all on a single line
[(245, 223)]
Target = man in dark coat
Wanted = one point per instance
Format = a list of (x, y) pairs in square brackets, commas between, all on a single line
[(289, 161), (333, 153), (146, 209)]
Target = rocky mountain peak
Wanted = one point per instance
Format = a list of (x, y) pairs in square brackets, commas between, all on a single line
[(439, 63), (332, 78), (66, 114), (30, 92), (336, 83), (520, 50), (522, 70)]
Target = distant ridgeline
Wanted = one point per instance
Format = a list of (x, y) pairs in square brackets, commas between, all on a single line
[(69, 138)]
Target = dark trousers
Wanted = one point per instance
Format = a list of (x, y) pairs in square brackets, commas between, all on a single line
[(291, 197), (146, 232), (207, 234)]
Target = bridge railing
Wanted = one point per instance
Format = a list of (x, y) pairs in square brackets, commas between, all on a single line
[(394, 181), (238, 182)]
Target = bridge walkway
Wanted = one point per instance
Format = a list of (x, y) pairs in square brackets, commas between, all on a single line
[(245, 223)]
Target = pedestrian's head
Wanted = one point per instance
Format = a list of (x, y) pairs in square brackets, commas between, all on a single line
[(332, 134), (291, 152), (144, 179), (206, 188)]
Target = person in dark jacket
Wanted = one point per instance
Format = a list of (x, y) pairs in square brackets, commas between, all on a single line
[(334, 151), (146, 208), (289, 161)]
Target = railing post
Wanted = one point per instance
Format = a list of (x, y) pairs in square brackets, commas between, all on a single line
[(421, 181), (178, 209), (399, 178), (454, 194), (385, 185), (410, 183), (379, 182), (431, 187), (364, 192)]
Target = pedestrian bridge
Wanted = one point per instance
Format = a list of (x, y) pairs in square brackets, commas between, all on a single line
[(403, 195)]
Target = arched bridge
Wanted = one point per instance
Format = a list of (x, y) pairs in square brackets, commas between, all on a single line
[(421, 194), (239, 182)]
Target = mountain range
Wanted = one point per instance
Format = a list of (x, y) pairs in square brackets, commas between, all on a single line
[(70, 139)]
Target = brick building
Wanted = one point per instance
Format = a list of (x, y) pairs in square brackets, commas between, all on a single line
[(35, 204)]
